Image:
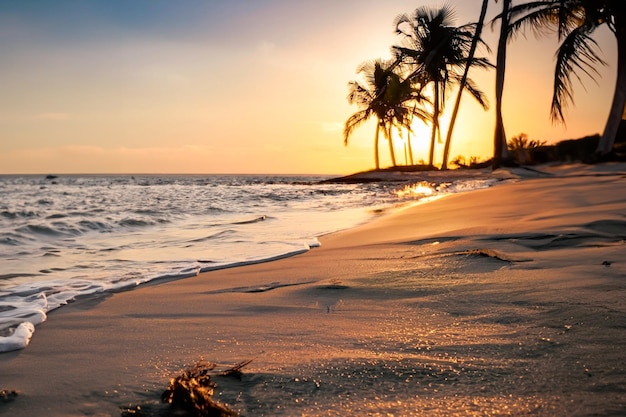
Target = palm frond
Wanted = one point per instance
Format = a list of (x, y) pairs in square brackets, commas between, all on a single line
[(353, 122), (421, 114), (577, 52), (539, 22), (545, 17), (478, 94), (357, 94), (400, 23), (442, 16), (482, 63)]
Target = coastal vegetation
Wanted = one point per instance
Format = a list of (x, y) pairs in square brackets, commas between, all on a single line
[(434, 56)]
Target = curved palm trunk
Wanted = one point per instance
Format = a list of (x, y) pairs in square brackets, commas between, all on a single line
[(391, 151), (499, 140), (619, 99), (376, 158), (457, 103), (433, 136)]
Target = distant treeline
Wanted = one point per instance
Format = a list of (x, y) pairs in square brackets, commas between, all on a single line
[(528, 152)]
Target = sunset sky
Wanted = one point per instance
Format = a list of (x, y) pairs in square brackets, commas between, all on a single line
[(246, 86)]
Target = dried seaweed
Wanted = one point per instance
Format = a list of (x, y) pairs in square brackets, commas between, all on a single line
[(192, 391)]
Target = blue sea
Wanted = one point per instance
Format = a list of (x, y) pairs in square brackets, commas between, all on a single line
[(79, 235)]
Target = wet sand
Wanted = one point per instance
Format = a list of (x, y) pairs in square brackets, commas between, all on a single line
[(504, 301)]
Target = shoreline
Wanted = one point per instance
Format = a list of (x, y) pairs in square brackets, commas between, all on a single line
[(63, 288), (506, 296)]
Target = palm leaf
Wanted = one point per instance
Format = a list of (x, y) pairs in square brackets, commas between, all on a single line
[(479, 95), (577, 52), (354, 121)]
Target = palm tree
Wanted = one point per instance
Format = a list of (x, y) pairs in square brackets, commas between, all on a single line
[(576, 21), (463, 83), (435, 51), (500, 150), (403, 100), (386, 96)]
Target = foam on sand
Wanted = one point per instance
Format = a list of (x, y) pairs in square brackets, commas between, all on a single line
[(19, 339)]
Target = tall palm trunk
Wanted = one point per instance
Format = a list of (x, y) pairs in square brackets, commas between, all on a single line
[(457, 103), (619, 98), (408, 141), (391, 150), (499, 140), (433, 136), (376, 157)]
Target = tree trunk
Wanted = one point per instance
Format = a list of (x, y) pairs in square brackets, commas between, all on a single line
[(457, 103), (433, 136), (391, 151), (408, 141), (619, 99), (376, 158), (499, 140)]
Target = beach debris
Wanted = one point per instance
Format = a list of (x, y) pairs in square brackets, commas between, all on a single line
[(7, 396), (492, 253), (335, 284), (132, 412), (192, 391), (606, 263)]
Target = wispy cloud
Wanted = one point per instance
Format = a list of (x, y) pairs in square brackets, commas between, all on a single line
[(266, 47), (53, 116), (332, 127)]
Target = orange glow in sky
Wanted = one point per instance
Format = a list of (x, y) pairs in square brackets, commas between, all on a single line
[(110, 86)]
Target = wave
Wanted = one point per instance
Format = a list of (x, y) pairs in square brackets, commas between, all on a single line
[(44, 230), (255, 220), (24, 306), (12, 239), (256, 261), (94, 225), (219, 235), (16, 275), (18, 214), (130, 222), (57, 216), (18, 338)]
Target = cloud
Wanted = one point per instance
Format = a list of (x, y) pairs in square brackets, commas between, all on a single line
[(265, 47), (53, 116), (332, 127)]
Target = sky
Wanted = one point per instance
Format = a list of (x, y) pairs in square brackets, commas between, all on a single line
[(240, 86)]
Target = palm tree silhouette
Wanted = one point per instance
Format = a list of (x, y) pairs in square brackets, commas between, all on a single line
[(575, 22), (436, 51), (387, 97), (500, 146), (500, 151), (463, 82)]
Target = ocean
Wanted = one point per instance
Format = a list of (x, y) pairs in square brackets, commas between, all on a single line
[(69, 236)]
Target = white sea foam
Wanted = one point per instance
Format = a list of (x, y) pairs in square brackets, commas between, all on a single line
[(79, 236), (19, 338)]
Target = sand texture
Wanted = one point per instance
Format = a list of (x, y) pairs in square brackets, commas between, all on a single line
[(504, 301)]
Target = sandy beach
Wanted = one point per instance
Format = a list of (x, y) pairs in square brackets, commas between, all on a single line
[(503, 301)]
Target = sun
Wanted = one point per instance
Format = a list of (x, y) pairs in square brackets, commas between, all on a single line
[(420, 137)]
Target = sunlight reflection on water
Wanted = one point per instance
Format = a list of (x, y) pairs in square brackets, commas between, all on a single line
[(417, 190)]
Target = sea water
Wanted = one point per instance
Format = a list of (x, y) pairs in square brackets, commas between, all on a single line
[(78, 235)]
